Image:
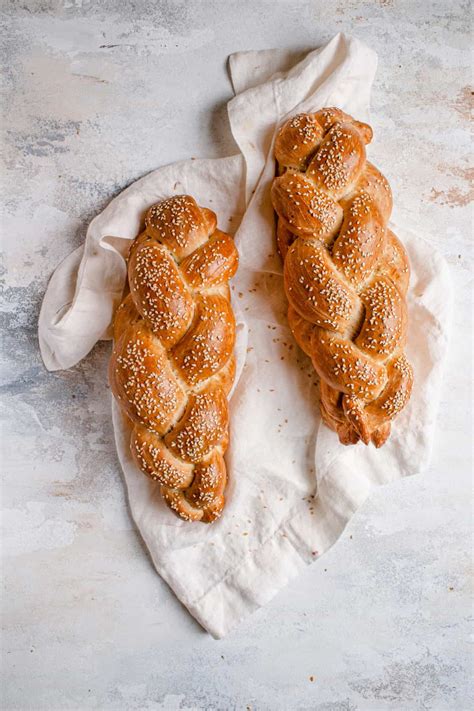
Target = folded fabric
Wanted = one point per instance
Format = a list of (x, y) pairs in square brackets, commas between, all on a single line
[(292, 486)]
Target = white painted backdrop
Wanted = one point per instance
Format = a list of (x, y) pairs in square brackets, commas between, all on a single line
[(96, 94)]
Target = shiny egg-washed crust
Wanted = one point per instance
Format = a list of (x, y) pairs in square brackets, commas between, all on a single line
[(172, 365), (345, 273)]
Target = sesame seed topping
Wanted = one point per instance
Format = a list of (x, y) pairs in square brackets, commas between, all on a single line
[(350, 290), (173, 359)]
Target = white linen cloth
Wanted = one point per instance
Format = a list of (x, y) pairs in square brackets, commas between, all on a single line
[(292, 486)]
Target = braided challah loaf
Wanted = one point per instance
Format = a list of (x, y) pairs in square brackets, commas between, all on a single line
[(346, 275), (172, 365)]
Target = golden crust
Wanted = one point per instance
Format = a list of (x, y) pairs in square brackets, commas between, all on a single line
[(339, 160), (344, 367), (207, 345), (212, 264), (345, 274), (302, 330), (180, 224), (305, 209), (143, 380), (172, 365), (297, 140), (159, 292), (333, 304)]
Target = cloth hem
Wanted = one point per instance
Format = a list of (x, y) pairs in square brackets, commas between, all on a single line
[(288, 546)]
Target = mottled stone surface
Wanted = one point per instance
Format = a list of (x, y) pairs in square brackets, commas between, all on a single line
[(98, 93)]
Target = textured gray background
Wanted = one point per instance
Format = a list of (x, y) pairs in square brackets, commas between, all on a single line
[(98, 93)]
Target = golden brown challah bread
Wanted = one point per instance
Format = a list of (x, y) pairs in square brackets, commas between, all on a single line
[(172, 365), (346, 275)]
